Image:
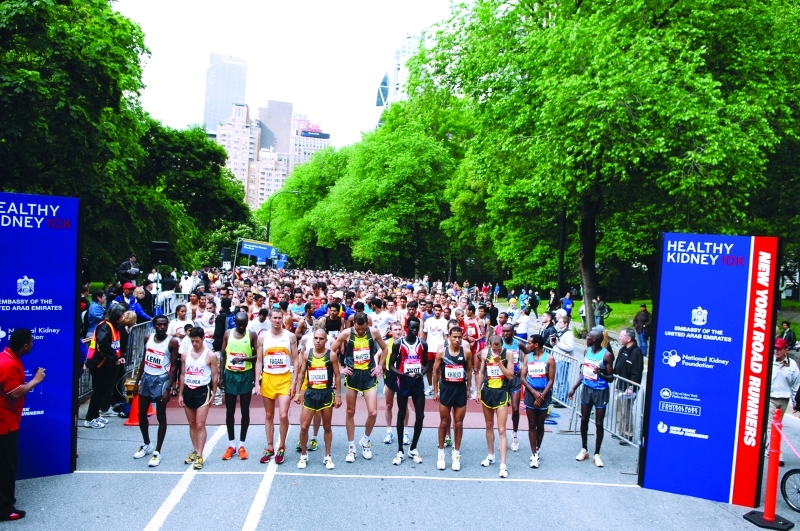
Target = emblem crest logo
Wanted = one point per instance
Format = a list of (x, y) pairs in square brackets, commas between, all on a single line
[(25, 286), (699, 316)]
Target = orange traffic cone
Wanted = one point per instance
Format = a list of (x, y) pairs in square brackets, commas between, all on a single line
[(133, 417)]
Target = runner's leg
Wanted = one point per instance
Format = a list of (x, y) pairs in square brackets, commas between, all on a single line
[(230, 412), (200, 429), (502, 418), (515, 411), (586, 411), (419, 409), (144, 424), (402, 411), (458, 421), (540, 417), (161, 416), (488, 416), (283, 412), (444, 424), (350, 423), (532, 429), (371, 398), (269, 422), (599, 416), (306, 416), (326, 416), (244, 406)]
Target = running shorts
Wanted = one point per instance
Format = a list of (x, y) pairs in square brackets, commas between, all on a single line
[(407, 386), (494, 398), (452, 395), (154, 387), (361, 380), (515, 384), (530, 399), (275, 385), (239, 382), (390, 381), (318, 399), (597, 398), (198, 397)]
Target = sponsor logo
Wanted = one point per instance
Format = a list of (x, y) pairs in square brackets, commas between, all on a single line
[(682, 409), (662, 428), (665, 393), (699, 316), (25, 286), (671, 358)]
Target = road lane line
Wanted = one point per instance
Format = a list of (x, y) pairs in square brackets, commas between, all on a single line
[(183, 485), (260, 501)]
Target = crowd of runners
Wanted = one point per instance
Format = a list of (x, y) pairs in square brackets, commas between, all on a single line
[(327, 339)]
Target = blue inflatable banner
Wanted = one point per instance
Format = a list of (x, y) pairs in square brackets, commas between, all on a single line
[(709, 367), (39, 291), (261, 250)]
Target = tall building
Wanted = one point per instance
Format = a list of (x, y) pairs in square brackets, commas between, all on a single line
[(276, 125), (241, 138), (305, 140), (267, 175), (226, 79), (399, 71)]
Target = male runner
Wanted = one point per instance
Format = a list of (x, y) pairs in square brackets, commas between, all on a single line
[(433, 331), (390, 387), (239, 347), (198, 383), (495, 372), (277, 352), (538, 374), (513, 347), (364, 354), (322, 367), (409, 362), (153, 382), (452, 369), (598, 364)]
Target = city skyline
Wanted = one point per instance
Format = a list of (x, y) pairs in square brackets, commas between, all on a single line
[(323, 57)]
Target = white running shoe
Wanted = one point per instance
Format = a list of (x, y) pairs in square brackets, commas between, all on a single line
[(429, 391), (597, 461), (218, 400), (303, 461), (406, 440), (488, 461), (440, 464), (515, 444), (456, 463), (398, 458), (473, 395), (155, 460), (328, 462), (414, 454), (535, 461), (503, 471), (389, 438), (102, 419), (448, 441), (351, 455), (366, 449), (94, 424), (143, 451), (109, 413), (582, 456)]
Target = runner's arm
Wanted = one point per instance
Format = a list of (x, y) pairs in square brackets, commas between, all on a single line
[(393, 360), (437, 366), (224, 349), (214, 364), (376, 335)]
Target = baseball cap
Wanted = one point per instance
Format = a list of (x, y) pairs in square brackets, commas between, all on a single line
[(128, 285), (780, 343), (338, 295)]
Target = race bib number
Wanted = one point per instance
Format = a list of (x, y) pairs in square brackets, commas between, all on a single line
[(516, 356), (234, 365), (412, 367), (588, 372), (361, 355), (318, 376), (193, 379), (537, 369), (154, 359), (276, 361), (454, 373), (494, 372)]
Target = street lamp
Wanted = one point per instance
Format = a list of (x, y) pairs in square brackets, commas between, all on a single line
[(269, 210)]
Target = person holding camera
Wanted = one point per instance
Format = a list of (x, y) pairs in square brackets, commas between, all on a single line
[(129, 270)]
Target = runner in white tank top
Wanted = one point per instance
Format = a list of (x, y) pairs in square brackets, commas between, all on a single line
[(200, 376)]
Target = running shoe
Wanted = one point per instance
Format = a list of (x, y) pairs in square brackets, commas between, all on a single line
[(456, 463), (228, 453), (406, 440), (328, 462), (243, 453), (267, 456), (312, 447), (13, 514), (351, 455), (217, 400), (191, 458), (102, 419), (143, 451), (198, 463), (535, 461), (366, 450), (447, 441), (94, 424), (389, 439), (582, 456), (280, 456), (109, 413), (503, 471), (515, 444), (414, 454), (488, 461), (473, 395), (597, 461), (298, 448), (155, 460), (429, 391), (440, 464), (398, 458), (302, 462)]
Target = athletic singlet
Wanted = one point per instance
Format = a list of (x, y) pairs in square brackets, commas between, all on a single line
[(309, 326), (537, 371), (277, 353), (319, 371), (359, 351), (156, 356), (411, 357), (238, 348), (513, 348), (453, 369), (472, 328), (492, 374), (297, 309), (590, 361), (333, 326), (198, 372), (389, 343)]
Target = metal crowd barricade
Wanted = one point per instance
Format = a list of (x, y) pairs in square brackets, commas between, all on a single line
[(568, 368), (169, 300)]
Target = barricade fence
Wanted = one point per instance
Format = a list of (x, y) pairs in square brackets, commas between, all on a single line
[(167, 301)]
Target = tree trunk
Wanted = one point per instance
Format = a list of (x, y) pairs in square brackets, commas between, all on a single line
[(451, 276), (587, 256)]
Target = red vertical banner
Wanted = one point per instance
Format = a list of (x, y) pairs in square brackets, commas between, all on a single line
[(757, 357)]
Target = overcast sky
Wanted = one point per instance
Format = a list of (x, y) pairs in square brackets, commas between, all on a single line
[(327, 57)]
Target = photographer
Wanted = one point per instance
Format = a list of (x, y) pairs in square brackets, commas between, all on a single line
[(129, 270)]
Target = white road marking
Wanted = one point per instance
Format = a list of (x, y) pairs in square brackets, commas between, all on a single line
[(260, 501), (183, 485)]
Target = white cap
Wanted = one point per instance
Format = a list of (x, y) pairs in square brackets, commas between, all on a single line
[(338, 295)]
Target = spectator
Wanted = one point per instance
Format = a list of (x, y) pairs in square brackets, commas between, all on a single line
[(154, 276), (548, 329), (567, 303), (129, 270), (496, 291), (785, 382), (599, 310), (788, 335), (148, 300), (563, 343), (521, 324), (492, 311), (132, 302), (535, 302), (641, 321), (96, 311), (552, 303), (12, 399), (629, 365)]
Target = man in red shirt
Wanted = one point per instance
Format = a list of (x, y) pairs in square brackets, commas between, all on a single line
[(12, 397)]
